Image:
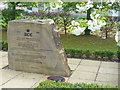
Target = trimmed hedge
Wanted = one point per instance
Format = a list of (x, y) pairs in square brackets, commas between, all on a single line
[(84, 86), (76, 53), (102, 55)]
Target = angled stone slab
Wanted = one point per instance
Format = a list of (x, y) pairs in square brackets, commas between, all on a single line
[(73, 61), (34, 46)]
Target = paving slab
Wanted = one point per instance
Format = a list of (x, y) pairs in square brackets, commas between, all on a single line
[(88, 68), (3, 54), (3, 62), (72, 66), (74, 80), (83, 71), (109, 70), (7, 75), (90, 62), (83, 75), (73, 61), (107, 77), (110, 65), (25, 80), (108, 83)]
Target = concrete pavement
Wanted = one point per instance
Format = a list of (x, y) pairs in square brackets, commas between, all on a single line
[(89, 71)]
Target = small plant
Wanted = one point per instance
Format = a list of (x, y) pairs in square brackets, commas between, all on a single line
[(118, 55), (109, 55), (3, 46), (96, 54), (87, 53), (79, 53), (102, 54)]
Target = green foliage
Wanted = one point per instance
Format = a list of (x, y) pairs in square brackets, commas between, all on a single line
[(3, 46), (84, 86), (109, 55), (96, 54), (83, 23), (12, 13), (79, 53), (8, 15), (87, 53), (118, 55), (102, 54)]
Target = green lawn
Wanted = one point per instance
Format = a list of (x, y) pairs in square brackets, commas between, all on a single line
[(82, 42), (88, 43)]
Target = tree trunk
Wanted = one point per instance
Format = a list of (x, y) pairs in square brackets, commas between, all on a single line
[(14, 11), (87, 31), (12, 6)]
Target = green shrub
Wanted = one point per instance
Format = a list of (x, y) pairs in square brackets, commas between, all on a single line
[(83, 86), (72, 52), (3, 46), (109, 55), (87, 53), (79, 53), (8, 15), (96, 54), (118, 55), (102, 54)]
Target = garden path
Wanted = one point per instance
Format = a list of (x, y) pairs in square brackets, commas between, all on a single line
[(89, 71)]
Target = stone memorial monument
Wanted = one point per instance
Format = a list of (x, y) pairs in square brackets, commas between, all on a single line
[(34, 46)]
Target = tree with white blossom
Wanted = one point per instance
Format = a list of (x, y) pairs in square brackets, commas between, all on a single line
[(93, 9)]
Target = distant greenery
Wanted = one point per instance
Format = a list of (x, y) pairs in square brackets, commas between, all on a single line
[(52, 85)]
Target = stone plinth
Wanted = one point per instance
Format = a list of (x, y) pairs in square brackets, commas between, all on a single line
[(34, 46)]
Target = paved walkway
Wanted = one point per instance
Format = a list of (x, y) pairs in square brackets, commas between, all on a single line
[(89, 71)]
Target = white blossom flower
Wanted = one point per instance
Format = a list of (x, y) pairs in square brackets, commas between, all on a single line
[(78, 30), (57, 4), (74, 23), (97, 15), (117, 36), (80, 9), (85, 8)]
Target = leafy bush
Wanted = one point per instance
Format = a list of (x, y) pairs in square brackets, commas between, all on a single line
[(83, 86), (71, 52), (87, 53), (8, 15), (109, 55), (3, 46), (96, 54), (79, 53), (118, 55), (102, 54)]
